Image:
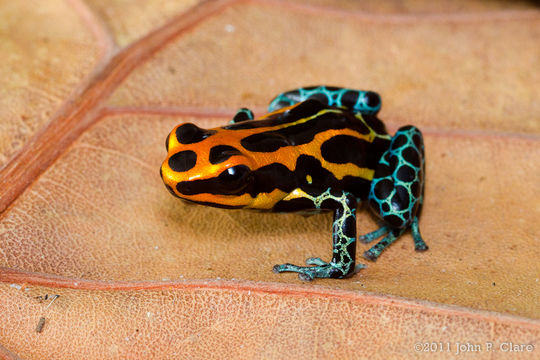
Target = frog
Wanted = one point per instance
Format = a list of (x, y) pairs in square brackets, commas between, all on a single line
[(318, 149)]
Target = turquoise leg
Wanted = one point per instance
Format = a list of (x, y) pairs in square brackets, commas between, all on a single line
[(343, 235), (373, 253), (358, 101), (242, 115), (397, 189)]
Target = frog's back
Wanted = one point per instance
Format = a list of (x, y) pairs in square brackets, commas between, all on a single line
[(314, 145)]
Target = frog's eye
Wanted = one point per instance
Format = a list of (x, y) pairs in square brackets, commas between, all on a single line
[(234, 179)]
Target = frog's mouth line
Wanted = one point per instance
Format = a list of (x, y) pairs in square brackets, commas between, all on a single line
[(221, 206)]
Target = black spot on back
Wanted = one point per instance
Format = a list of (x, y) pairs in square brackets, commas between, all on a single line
[(264, 142), (183, 160), (305, 109), (342, 149), (303, 133), (220, 153), (191, 133)]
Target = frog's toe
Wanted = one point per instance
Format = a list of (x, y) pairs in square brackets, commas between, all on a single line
[(359, 267), (316, 261), (369, 237), (306, 276), (421, 247), (304, 273), (369, 255), (281, 268)]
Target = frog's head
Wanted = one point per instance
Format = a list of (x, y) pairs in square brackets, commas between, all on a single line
[(204, 166)]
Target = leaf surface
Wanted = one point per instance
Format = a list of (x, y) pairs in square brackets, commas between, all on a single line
[(91, 90)]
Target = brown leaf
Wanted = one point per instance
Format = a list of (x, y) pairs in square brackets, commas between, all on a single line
[(89, 93)]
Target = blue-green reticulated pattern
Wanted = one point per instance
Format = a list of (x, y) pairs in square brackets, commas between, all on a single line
[(397, 194)]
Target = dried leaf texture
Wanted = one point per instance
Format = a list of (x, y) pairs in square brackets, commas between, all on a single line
[(46, 50), (89, 93)]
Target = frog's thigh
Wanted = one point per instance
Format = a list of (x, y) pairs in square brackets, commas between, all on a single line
[(397, 191), (397, 186)]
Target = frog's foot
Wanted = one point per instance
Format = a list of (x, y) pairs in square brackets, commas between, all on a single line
[(321, 269), (392, 235), (373, 253)]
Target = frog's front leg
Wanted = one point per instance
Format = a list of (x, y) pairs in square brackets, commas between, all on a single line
[(357, 101), (396, 193), (343, 233)]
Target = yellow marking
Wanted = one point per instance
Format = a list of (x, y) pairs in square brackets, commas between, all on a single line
[(265, 201), (309, 179), (297, 194), (383, 136)]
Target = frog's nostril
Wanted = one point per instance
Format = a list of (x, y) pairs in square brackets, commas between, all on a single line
[(190, 133)]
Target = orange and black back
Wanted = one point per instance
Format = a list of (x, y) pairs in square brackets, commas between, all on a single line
[(256, 163)]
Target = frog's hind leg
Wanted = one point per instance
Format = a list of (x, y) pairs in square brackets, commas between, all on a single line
[(396, 193), (357, 101), (242, 114)]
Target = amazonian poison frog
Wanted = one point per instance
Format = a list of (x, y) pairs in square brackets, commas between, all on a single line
[(319, 149)]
